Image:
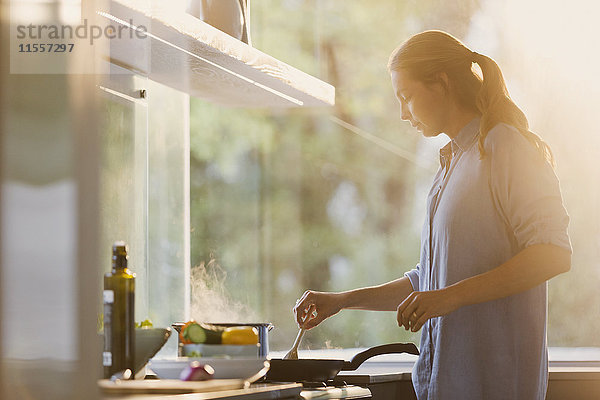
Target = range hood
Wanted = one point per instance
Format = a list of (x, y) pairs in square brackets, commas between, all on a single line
[(187, 54)]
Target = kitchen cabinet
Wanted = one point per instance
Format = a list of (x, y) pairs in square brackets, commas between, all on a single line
[(393, 381), (383, 386), (573, 382), (384, 381)]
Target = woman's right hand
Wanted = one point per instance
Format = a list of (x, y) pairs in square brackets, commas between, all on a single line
[(314, 307)]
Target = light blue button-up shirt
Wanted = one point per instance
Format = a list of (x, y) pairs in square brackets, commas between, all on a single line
[(481, 213)]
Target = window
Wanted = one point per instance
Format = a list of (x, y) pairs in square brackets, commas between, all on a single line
[(145, 192), (290, 200)]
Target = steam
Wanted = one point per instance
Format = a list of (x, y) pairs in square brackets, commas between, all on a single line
[(329, 345), (210, 300)]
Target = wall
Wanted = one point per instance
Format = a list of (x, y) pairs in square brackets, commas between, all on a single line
[(49, 220), (77, 173)]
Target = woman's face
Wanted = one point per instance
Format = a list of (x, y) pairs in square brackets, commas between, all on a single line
[(424, 105)]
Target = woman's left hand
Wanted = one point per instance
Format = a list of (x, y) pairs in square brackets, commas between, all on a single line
[(418, 307)]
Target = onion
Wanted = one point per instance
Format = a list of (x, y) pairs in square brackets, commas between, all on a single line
[(197, 372)]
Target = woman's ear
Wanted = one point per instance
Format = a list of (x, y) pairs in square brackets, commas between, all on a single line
[(443, 80)]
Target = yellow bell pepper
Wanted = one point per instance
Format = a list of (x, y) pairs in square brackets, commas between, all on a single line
[(243, 335)]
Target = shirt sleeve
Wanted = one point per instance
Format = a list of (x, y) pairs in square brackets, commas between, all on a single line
[(413, 277), (526, 190)]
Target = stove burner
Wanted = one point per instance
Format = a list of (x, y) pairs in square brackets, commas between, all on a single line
[(313, 385), (323, 384)]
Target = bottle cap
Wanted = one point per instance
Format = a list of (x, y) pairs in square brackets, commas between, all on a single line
[(119, 248)]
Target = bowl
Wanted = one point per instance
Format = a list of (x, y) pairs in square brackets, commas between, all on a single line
[(148, 341), (239, 368)]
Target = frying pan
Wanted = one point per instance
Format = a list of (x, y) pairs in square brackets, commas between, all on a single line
[(320, 370)]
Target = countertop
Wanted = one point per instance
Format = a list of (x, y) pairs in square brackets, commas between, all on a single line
[(255, 392), (260, 391)]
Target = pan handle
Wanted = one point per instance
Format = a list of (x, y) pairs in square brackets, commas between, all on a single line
[(361, 357), (260, 374)]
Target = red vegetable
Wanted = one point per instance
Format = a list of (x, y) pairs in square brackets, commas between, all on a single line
[(197, 372), (182, 336)]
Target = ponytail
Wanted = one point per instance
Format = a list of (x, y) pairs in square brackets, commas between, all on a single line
[(428, 53), (495, 106)]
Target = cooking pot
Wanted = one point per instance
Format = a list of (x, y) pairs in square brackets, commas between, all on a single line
[(263, 329), (229, 16), (322, 370)]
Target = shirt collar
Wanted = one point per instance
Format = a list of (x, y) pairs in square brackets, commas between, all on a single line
[(466, 136), (462, 142)]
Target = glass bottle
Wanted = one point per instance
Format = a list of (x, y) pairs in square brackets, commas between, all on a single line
[(119, 323)]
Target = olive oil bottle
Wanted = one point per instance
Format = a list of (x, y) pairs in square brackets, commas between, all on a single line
[(119, 325)]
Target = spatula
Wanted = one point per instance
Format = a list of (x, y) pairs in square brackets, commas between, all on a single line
[(293, 353)]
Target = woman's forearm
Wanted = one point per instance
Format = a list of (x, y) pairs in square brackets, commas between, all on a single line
[(385, 297), (529, 268)]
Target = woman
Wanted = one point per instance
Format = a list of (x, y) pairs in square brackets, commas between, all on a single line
[(495, 232)]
